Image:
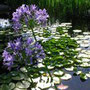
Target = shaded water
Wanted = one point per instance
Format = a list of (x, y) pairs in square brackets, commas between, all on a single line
[(76, 84)]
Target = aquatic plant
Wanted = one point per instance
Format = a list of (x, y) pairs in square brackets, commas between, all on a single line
[(21, 52), (29, 16), (60, 52)]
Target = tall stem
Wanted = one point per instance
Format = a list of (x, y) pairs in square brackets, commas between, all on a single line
[(50, 75), (34, 35)]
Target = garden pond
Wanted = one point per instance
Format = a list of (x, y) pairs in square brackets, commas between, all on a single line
[(55, 57)]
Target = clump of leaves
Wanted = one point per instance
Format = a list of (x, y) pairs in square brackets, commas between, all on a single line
[(60, 30), (46, 33), (61, 51)]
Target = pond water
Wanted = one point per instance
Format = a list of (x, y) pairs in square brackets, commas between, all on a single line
[(76, 84)]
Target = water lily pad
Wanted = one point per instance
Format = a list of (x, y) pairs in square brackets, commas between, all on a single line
[(88, 75), (77, 31), (70, 69), (36, 79), (84, 45), (85, 60), (56, 80), (83, 55), (50, 67), (79, 41), (16, 78), (43, 85), (24, 84), (51, 89), (78, 49), (4, 87), (58, 73), (86, 33), (85, 64), (41, 65), (66, 77), (23, 69), (11, 86), (78, 72), (20, 89)]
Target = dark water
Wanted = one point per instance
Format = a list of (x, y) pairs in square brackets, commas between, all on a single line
[(77, 84)]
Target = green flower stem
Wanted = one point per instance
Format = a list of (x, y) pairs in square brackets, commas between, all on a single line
[(34, 35), (50, 75)]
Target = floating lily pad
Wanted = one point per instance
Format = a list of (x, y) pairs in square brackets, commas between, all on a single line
[(11, 86), (88, 75), (4, 87), (23, 69), (85, 60), (77, 31), (43, 85), (70, 69), (78, 72), (36, 79), (58, 73), (51, 89), (23, 85), (84, 45), (50, 67), (66, 77), (20, 89), (85, 64), (41, 65), (56, 80), (86, 33)]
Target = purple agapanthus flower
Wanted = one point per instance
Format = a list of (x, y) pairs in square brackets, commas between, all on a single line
[(21, 51), (8, 60), (41, 16), (26, 13)]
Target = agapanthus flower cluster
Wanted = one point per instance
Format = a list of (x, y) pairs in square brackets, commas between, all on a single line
[(22, 52), (26, 13)]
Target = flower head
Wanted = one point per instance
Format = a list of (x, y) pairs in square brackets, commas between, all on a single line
[(26, 13), (22, 51)]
